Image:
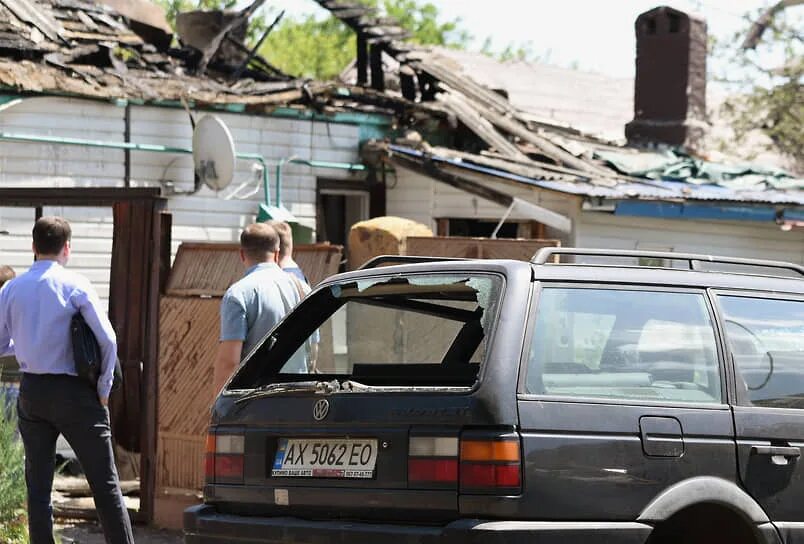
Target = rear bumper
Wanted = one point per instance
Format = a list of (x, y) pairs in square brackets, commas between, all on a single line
[(203, 525)]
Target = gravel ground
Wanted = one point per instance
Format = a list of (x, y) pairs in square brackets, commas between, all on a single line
[(90, 533)]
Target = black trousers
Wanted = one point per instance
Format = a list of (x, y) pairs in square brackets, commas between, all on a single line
[(50, 405)]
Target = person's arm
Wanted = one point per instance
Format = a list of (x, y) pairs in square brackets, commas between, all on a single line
[(86, 300), (226, 361), (234, 328), (6, 343)]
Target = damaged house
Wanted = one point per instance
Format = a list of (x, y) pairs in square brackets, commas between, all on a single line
[(567, 154), (94, 98), (347, 151), (98, 101)]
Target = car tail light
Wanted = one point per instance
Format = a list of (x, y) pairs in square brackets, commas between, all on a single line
[(224, 457), (433, 461), (491, 464)]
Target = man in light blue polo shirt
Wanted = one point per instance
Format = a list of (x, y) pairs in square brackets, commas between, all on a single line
[(255, 304), (36, 309)]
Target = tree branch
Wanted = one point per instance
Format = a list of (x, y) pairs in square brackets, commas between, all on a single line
[(759, 27)]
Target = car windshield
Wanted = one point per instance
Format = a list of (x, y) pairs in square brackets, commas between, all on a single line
[(417, 330)]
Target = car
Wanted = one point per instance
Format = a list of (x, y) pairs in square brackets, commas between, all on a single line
[(586, 396)]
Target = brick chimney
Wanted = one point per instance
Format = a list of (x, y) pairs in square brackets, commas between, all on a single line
[(670, 87)]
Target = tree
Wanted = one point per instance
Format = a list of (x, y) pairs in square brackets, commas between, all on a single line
[(766, 73), (310, 47), (322, 48)]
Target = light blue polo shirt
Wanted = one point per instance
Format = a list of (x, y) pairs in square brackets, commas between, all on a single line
[(255, 304)]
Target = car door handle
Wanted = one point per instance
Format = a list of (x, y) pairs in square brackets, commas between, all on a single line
[(780, 455), (784, 451)]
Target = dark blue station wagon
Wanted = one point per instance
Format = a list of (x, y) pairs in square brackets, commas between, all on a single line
[(622, 397)]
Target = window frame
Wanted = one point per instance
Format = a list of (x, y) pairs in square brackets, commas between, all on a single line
[(737, 395), (308, 300), (720, 347)]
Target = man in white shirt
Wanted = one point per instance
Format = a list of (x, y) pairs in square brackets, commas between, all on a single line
[(36, 310)]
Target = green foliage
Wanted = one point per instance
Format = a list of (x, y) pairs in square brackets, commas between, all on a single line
[(512, 52), (766, 85), (12, 478), (422, 21), (322, 48), (310, 47)]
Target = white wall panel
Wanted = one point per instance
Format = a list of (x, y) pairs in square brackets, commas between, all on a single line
[(46, 165), (204, 216), (423, 199), (733, 239)]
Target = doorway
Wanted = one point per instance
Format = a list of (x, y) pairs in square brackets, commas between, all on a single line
[(337, 210)]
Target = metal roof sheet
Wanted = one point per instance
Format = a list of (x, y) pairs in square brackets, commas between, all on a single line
[(645, 190)]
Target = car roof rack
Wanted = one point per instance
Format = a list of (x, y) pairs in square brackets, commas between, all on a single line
[(404, 259), (545, 255)]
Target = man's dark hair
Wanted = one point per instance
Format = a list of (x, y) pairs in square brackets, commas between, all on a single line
[(50, 234), (6, 274), (258, 240), (285, 237)]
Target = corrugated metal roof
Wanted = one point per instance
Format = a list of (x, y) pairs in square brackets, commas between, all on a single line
[(647, 190)]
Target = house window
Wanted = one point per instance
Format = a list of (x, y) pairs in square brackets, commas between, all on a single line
[(483, 228)]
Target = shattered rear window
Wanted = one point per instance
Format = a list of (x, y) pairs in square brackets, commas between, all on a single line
[(416, 330)]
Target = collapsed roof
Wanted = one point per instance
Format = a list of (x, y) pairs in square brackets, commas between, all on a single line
[(81, 48), (526, 148), (89, 49)]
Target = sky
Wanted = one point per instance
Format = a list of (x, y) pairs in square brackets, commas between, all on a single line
[(593, 35)]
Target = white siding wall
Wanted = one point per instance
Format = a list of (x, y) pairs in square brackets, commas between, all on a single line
[(423, 199), (202, 216), (732, 239)]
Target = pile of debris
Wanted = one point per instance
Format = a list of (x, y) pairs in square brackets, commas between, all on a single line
[(92, 49), (114, 49)]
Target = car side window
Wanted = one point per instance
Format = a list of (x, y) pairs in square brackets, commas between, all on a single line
[(766, 339), (624, 344)]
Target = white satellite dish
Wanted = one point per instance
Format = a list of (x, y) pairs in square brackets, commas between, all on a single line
[(213, 152)]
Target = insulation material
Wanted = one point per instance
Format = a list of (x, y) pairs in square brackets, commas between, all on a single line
[(381, 236)]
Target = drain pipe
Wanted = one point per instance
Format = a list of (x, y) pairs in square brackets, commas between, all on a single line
[(352, 167), (153, 148), (127, 146)]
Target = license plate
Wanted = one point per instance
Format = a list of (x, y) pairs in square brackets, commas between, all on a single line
[(325, 458)]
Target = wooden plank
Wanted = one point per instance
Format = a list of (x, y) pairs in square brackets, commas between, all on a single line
[(118, 313), (157, 263), (442, 228), (208, 269), (469, 116), (476, 248), (188, 331), (318, 261), (204, 269)]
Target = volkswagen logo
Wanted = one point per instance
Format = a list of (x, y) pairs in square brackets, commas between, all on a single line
[(320, 409)]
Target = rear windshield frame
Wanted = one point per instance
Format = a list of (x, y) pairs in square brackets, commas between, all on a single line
[(258, 376)]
